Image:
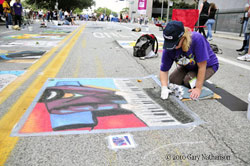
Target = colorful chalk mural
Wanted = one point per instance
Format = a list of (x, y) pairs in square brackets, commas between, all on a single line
[(131, 44), (21, 56), (37, 36), (6, 77), (30, 43), (56, 32), (92, 105)]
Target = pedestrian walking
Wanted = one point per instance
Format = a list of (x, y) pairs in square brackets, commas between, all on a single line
[(196, 62), (246, 35), (146, 20), (246, 52), (211, 20), (203, 16), (141, 19), (18, 9), (7, 12)]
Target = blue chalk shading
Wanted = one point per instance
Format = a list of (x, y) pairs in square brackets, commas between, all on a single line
[(205, 93), (68, 83), (84, 118), (104, 83), (126, 137), (5, 57), (17, 73)]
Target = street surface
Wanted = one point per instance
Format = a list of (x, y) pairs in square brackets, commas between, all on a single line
[(91, 50)]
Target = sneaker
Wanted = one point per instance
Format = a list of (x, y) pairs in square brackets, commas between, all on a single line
[(244, 58), (244, 52), (210, 39)]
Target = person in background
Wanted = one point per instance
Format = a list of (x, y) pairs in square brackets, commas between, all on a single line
[(203, 16), (7, 12), (196, 62), (246, 52), (40, 14), (211, 20), (246, 36), (146, 20), (18, 9)]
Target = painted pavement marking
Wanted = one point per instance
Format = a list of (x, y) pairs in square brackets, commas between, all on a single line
[(99, 67), (9, 120), (78, 61), (233, 63)]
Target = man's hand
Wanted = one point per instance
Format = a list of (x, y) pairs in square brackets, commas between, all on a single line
[(195, 93), (165, 92)]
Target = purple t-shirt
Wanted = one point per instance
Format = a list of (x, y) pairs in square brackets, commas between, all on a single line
[(199, 51), (18, 8)]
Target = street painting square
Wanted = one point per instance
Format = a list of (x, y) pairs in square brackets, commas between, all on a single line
[(92, 105)]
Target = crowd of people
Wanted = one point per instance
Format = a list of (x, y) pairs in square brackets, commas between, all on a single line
[(15, 14)]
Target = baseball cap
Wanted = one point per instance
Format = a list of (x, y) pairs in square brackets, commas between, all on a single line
[(172, 34)]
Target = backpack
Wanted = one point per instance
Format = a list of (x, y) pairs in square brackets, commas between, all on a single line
[(216, 49), (145, 46)]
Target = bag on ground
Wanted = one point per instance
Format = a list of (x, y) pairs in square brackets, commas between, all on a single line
[(215, 48), (146, 46)]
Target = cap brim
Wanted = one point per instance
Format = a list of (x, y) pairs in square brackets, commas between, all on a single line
[(170, 45)]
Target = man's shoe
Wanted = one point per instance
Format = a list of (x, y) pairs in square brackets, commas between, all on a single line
[(244, 52), (244, 58)]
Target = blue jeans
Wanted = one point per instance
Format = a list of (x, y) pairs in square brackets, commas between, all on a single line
[(8, 19), (210, 23)]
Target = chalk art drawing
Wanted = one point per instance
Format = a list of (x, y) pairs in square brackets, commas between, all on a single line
[(30, 43), (6, 77), (20, 55), (56, 32), (92, 105), (131, 44), (36, 36)]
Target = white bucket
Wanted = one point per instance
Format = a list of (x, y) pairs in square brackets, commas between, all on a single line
[(10, 26), (30, 28), (248, 110)]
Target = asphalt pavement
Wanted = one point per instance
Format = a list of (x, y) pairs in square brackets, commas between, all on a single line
[(91, 50)]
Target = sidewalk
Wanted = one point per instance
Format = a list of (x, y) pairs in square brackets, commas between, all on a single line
[(220, 34), (228, 35)]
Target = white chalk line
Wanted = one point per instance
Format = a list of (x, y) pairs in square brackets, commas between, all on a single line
[(173, 144)]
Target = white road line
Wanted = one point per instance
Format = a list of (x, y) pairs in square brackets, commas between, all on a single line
[(233, 63)]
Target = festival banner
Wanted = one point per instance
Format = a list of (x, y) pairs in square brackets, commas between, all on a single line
[(142, 6)]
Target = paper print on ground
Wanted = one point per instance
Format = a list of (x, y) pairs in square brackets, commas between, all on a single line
[(6, 77), (131, 44), (30, 43), (37, 36), (21, 57), (92, 106), (122, 141)]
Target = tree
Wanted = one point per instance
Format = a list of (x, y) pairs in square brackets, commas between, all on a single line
[(125, 10), (106, 11), (63, 4)]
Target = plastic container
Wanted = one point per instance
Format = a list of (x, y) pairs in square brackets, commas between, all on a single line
[(248, 110)]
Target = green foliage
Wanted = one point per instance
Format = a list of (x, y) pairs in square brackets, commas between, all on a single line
[(106, 11), (125, 10), (77, 11), (63, 4)]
